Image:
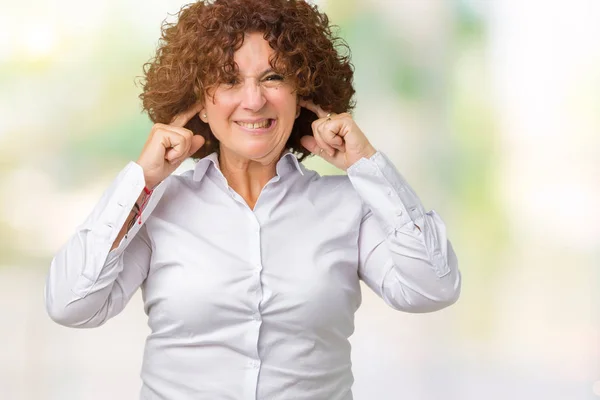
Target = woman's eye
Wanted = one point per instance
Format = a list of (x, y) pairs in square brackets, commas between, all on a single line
[(274, 78)]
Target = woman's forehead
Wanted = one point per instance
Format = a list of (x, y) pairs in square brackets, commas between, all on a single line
[(254, 56)]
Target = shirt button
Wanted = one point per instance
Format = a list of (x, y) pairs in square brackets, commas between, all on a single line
[(254, 363), (256, 316), (399, 213)]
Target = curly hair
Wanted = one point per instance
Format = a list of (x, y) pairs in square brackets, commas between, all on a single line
[(195, 55)]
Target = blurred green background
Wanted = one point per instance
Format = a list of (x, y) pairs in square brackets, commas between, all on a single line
[(490, 108)]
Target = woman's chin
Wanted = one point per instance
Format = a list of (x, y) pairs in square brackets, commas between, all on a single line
[(256, 151)]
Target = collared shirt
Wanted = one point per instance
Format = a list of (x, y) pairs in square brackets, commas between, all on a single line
[(254, 303)]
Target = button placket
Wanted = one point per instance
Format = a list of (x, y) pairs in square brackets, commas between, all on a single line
[(256, 267)]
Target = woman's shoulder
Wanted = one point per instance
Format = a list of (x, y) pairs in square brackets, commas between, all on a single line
[(175, 183), (339, 182), (333, 194), (330, 185)]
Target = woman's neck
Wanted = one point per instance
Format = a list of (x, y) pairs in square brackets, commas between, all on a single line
[(247, 177)]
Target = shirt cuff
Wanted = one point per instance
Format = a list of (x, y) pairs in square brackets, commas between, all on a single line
[(110, 215), (128, 202), (386, 192)]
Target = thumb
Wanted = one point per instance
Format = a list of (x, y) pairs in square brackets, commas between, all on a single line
[(310, 144), (197, 142)]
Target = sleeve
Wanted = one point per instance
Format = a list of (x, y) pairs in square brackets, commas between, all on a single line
[(404, 252), (87, 284)]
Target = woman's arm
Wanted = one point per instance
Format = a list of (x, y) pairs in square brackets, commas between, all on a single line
[(405, 256), (404, 252), (96, 272)]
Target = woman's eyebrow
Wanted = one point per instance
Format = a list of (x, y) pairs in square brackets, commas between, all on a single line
[(265, 72)]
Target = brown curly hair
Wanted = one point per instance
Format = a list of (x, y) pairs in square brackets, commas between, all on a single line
[(195, 55)]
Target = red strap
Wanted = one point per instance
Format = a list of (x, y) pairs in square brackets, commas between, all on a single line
[(144, 202)]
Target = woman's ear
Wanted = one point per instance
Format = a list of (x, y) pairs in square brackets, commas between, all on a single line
[(203, 116)]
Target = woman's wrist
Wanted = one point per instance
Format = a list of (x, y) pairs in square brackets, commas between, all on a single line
[(368, 152), (150, 183)]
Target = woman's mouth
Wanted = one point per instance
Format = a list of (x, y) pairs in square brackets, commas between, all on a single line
[(259, 126)]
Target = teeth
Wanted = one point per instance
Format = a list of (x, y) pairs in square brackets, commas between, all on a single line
[(257, 125)]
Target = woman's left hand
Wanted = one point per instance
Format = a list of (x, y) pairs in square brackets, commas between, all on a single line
[(336, 138)]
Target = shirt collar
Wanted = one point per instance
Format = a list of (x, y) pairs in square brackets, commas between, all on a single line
[(287, 163), (203, 164)]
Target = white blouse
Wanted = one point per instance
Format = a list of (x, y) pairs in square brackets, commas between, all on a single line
[(254, 304)]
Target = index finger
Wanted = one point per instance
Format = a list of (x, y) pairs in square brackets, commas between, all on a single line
[(183, 117), (308, 104)]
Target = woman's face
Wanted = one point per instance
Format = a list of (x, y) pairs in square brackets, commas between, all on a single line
[(253, 115)]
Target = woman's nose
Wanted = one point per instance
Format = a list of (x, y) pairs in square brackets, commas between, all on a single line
[(252, 96)]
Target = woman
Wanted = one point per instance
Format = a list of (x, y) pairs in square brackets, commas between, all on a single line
[(250, 264)]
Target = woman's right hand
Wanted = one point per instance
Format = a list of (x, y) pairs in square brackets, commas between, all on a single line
[(168, 146)]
